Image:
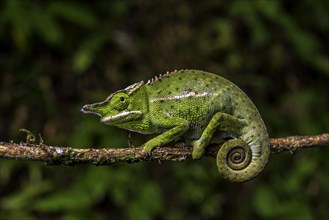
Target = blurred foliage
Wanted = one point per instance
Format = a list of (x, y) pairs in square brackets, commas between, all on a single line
[(56, 56)]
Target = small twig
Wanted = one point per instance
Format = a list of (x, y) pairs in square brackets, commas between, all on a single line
[(107, 156), (294, 143)]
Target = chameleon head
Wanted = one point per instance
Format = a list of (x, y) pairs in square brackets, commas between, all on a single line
[(114, 109)]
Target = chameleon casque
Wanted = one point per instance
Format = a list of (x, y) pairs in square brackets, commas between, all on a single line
[(198, 106)]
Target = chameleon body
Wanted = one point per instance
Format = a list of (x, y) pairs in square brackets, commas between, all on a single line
[(199, 106)]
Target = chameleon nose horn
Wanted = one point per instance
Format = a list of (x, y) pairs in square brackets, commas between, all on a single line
[(86, 109), (91, 108), (96, 108)]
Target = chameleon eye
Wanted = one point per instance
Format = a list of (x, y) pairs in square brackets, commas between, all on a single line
[(120, 101)]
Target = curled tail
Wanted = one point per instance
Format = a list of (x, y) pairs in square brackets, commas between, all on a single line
[(243, 158)]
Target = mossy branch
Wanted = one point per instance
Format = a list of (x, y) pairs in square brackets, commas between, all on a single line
[(106, 156)]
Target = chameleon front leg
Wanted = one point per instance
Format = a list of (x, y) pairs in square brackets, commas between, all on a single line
[(177, 127), (220, 121)]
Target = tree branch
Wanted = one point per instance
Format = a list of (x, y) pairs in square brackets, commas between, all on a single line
[(106, 156)]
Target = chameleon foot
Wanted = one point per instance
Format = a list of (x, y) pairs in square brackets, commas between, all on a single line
[(198, 151), (147, 150)]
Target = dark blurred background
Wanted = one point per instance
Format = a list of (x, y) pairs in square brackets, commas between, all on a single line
[(56, 56)]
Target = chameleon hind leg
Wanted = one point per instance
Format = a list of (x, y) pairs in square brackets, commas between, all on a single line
[(220, 121)]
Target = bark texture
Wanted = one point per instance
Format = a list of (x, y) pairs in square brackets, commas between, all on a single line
[(55, 155)]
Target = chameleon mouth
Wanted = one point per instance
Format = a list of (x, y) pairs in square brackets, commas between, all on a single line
[(120, 116)]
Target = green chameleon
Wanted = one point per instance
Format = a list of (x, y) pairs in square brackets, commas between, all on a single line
[(198, 106)]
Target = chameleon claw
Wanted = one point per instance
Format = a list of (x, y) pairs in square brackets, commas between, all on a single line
[(180, 145), (147, 153), (147, 150)]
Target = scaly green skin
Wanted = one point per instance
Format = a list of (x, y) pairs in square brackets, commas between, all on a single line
[(196, 105)]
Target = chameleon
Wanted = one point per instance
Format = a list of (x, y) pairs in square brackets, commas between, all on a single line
[(198, 106)]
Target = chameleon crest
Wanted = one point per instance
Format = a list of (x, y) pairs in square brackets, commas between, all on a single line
[(199, 106)]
